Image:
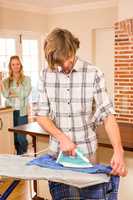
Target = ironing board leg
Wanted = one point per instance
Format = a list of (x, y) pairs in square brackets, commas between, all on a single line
[(9, 190)]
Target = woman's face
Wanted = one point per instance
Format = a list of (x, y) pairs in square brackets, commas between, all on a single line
[(15, 65)]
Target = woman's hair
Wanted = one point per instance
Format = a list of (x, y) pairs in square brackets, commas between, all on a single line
[(21, 77), (60, 45)]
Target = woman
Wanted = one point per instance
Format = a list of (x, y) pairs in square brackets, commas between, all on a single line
[(16, 89)]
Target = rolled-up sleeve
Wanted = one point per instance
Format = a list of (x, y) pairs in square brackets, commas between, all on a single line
[(104, 105), (42, 107)]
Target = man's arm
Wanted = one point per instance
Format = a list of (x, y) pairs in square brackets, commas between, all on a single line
[(42, 112), (117, 161), (66, 144)]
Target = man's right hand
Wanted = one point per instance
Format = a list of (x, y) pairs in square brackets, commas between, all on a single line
[(67, 146)]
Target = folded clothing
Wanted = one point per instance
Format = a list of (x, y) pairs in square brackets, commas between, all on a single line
[(48, 161)]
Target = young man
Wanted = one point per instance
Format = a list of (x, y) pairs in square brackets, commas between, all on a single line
[(67, 90)]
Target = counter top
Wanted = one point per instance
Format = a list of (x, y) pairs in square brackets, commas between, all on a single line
[(5, 108)]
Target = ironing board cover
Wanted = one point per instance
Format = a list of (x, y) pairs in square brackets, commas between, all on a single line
[(26, 168)]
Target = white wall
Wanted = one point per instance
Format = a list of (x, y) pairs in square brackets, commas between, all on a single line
[(125, 9), (81, 24), (104, 55), (19, 20)]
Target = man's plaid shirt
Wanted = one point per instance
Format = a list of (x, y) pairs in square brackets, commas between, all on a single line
[(67, 99)]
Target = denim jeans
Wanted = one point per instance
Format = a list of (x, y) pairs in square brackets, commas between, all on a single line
[(103, 191), (20, 140)]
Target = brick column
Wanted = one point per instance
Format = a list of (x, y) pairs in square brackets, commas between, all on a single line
[(124, 70)]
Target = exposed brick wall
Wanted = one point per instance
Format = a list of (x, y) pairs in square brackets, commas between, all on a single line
[(124, 70)]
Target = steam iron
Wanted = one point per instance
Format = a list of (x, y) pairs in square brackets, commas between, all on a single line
[(79, 161)]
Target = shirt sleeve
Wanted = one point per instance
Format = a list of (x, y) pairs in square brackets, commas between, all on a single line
[(104, 105), (42, 107)]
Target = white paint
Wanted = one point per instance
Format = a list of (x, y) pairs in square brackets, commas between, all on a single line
[(45, 6), (125, 9), (104, 55)]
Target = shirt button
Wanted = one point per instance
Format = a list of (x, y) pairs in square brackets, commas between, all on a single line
[(68, 102), (67, 89)]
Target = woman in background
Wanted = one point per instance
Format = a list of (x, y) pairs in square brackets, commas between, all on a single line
[(16, 89)]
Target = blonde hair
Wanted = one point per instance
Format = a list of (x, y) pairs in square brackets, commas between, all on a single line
[(21, 77), (60, 45)]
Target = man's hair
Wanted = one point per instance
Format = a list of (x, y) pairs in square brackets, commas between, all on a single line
[(60, 45)]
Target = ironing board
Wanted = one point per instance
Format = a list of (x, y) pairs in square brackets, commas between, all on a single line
[(35, 131), (16, 167)]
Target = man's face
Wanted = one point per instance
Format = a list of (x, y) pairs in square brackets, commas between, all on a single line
[(68, 64)]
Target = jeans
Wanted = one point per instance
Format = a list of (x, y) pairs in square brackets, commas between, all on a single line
[(20, 140), (103, 191)]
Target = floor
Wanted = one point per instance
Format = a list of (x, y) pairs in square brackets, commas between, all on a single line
[(21, 192)]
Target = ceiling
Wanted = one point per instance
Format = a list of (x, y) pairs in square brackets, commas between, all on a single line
[(44, 5)]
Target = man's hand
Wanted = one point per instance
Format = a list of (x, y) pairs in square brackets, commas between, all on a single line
[(118, 164), (67, 146)]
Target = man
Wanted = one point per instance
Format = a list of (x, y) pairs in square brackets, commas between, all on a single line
[(67, 90)]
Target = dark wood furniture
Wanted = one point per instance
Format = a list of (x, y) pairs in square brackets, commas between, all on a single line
[(126, 131), (33, 129)]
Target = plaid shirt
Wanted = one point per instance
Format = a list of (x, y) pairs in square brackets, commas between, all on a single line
[(67, 99)]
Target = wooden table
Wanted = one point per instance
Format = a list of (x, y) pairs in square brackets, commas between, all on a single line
[(33, 129)]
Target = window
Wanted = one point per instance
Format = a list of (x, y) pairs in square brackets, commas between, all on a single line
[(30, 57), (28, 47), (7, 48)]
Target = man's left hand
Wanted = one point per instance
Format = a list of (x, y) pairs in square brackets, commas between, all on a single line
[(118, 164)]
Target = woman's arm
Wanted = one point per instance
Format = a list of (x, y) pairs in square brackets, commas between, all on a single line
[(25, 88), (4, 88)]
